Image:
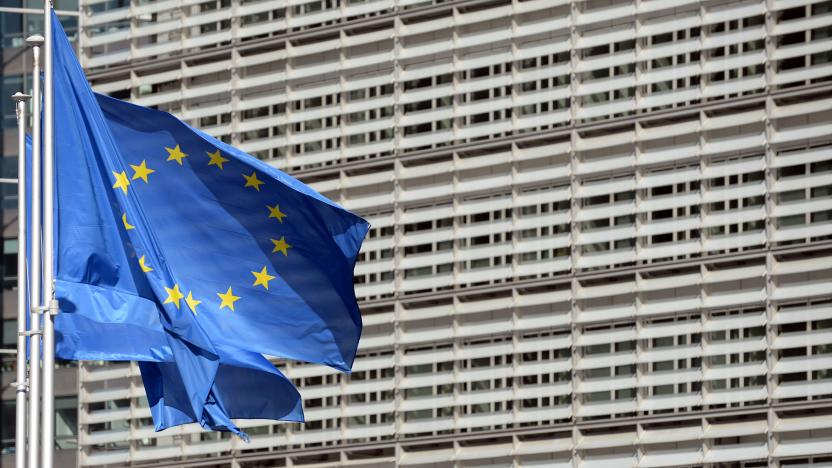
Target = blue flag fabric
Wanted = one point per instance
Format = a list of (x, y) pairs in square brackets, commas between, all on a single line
[(177, 250)]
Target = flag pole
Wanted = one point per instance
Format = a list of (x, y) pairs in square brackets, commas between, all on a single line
[(36, 42), (20, 384), (48, 445)]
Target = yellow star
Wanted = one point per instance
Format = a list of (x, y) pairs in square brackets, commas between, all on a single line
[(144, 266), (127, 225), (274, 212), (228, 299), (176, 154), (174, 295), (192, 303), (121, 181), (281, 246), (262, 278), (142, 171), (252, 181), (216, 159)]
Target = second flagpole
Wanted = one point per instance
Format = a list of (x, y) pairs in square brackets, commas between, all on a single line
[(48, 443), (36, 42), (21, 100)]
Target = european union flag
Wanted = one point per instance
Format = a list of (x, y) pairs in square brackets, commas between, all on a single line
[(178, 250)]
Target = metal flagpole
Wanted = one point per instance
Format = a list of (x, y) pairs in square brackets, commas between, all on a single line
[(35, 262), (48, 444), (20, 385)]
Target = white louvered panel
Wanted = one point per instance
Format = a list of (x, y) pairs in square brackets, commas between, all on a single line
[(734, 216), (663, 226), (679, 434), (816, 263), (607, 164), (108, 37), (666, 155), (614, 107), (432, 236), (667, 98), (550, 118), (422, 27), (541, 96), (802, 133), (484, 106), (493, 36), (680, 46), (740, 395), (733, 120), (669, 458), (806, 206), (548, 26), (669, 23), (606, 187), (670, 377), (653, 284), (596, 86), (791, 110), (605, 61), (733, 144), (108, 59), (805, 289), (734, 241), (678, 304), (745, 345), (669, 250), (669, 73), (367, 268), (740, 321), (604, 314), (749, 451), (748, 59), (669, 329), (609, 36), (801, 389), (802, 74), (671, 401), (594, 260), (559, 265), (610, 384), (734, 371), (803, 447), (624, 232), (597, 409), (801, 157), (477, 59), (795, 340), (546, 321), (802, 314), (717, 194), (606, 337), (536, 5), (802, 182), (666, 202), (410, 142), (484, 129), (541, 244), (537, 48)]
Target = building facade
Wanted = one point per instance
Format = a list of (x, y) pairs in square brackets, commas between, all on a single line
[(602, 230)]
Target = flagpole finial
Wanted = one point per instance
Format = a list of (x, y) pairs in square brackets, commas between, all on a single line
[(35, 40), (18, 96)]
